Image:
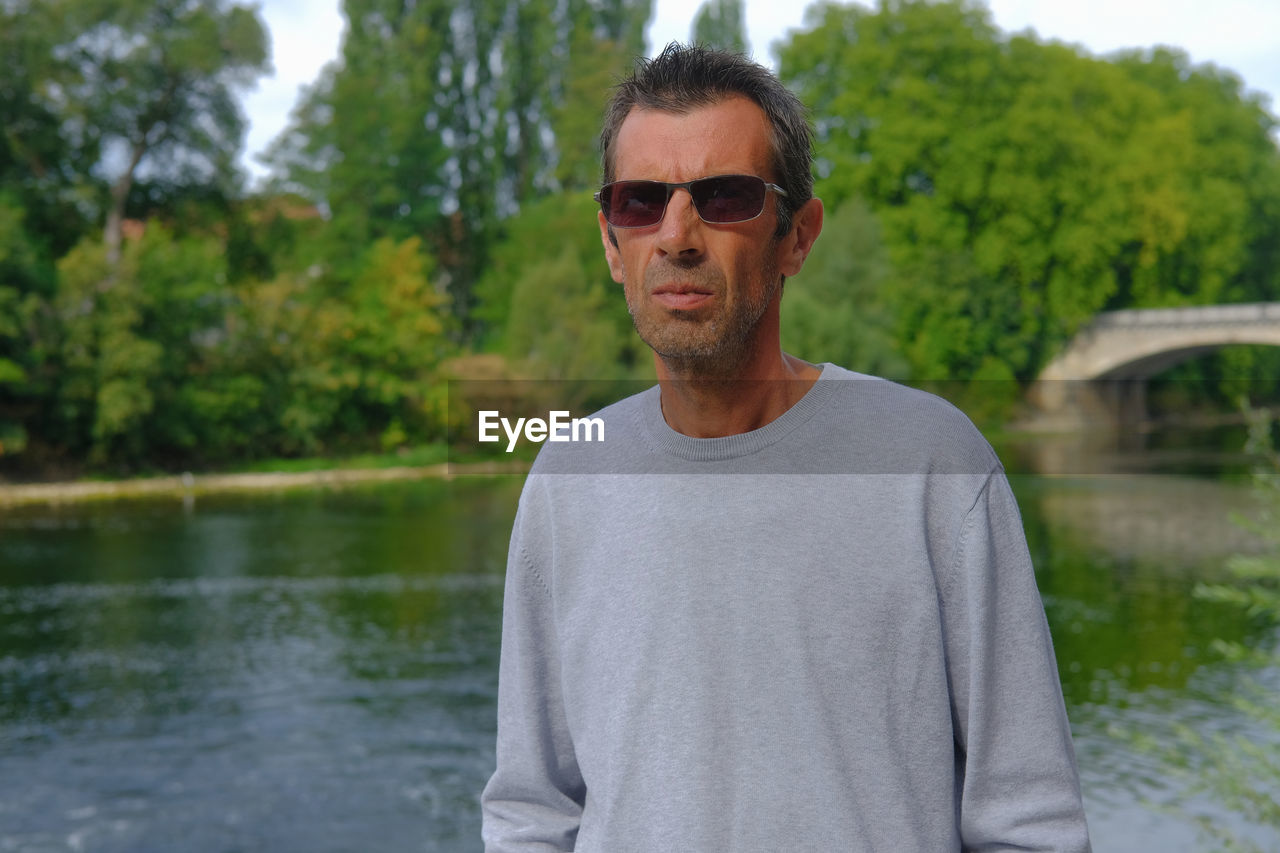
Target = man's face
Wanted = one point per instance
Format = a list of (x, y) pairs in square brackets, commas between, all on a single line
[(700, 294)]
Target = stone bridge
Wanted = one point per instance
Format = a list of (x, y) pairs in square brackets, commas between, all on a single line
[(1102, 371)]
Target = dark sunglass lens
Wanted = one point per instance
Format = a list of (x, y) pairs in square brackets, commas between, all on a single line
[(634, 204), (730, 198)]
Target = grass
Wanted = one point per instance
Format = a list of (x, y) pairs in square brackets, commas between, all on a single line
[(411, 457)]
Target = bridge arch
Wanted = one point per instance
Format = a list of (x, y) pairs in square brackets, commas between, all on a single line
[(1131, 346)]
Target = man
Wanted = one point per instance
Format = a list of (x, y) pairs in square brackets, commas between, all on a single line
[(781, 606)]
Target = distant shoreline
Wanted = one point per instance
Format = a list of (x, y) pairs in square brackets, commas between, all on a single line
[(191, 485)]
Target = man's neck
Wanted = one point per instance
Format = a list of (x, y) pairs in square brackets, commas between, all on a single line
[(702, 406)]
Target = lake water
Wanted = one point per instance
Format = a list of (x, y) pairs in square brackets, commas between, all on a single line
[(316, 671)]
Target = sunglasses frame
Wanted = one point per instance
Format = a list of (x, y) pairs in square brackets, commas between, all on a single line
[(687, 186)]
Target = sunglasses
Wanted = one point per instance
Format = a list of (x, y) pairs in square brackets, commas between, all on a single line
[(718, 200)]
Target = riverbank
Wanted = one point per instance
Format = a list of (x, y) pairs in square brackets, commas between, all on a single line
[(187, 486)]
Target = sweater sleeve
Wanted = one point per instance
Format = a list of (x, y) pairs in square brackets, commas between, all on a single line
[(534, 800), (1020, 789)]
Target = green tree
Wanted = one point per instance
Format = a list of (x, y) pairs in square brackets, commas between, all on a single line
[(18, 305), (20, 274), (602, 41), (41, 171), (395, 338), (836, 309), (109, 366), (42, 187), (281, 334), (560, 325), (1024, 186), (344, 365), (1228, 183), (154, 83), (144, 374), (720, 23), (558, 235), (441, 119)]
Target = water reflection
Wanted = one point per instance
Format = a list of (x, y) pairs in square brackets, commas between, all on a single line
[(316, 671), (305, 672), (1118, 557)]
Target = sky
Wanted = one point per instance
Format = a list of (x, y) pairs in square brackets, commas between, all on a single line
[(1241, 35)]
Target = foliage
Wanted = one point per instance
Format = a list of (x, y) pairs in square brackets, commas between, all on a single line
[(1217, 380), (153, 83), (559, 326), (720, 23), (17, 307), (341, 362), (441, 119), (130, 342), (167, 362), (1229, 186), (20, 277), (558, 316), (598, 55), (39, 217), (42, 172), (837, 308), (1025, 186), (430, 208)]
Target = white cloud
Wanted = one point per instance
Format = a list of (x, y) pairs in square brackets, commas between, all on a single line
[(304, 36), (1240, 35)]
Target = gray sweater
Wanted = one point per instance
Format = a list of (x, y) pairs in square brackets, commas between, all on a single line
[(821, 635)]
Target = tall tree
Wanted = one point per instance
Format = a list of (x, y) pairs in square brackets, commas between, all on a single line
[(557, 237), (835, 309), (442, 118), (720, 23), (155, 82), (1025, 186), (41, 195), (1230, 247), (40, 169), (599, 46)]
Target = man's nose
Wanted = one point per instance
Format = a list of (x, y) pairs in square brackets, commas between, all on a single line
[(680, 233)]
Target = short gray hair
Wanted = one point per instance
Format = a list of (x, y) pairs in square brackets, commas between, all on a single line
[(685, 77)]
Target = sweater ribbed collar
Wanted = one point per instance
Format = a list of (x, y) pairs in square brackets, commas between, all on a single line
[(681, 446)]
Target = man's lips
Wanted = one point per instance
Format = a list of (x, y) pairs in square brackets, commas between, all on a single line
[(681, 297)]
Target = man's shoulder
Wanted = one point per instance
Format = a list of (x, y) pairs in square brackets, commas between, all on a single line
[(888, 398), (888, 427)]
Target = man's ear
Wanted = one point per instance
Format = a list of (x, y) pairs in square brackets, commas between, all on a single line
[(806, 225), (611, 253)]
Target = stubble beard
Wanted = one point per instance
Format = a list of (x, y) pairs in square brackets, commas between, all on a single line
[(691, 345)]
